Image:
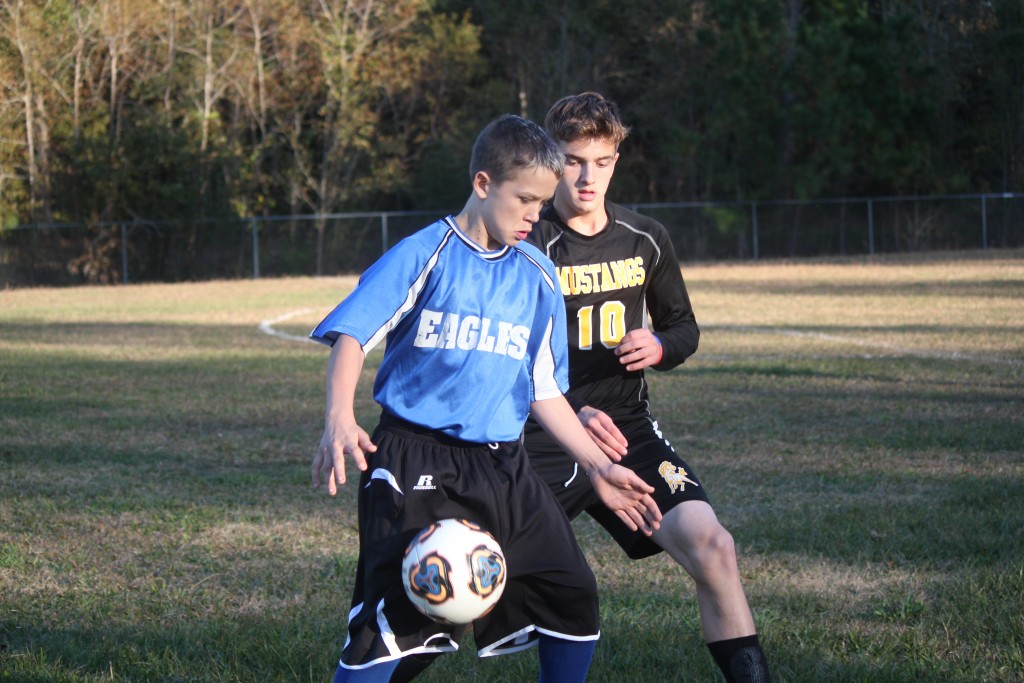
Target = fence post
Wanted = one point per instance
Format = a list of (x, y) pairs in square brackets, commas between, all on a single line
[(984, 222), (383, 232), (255, 249), (124, 254), (871, 226), (753, 223)]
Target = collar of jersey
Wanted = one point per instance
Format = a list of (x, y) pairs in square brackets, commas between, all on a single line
[(483, 253), (552, 215)]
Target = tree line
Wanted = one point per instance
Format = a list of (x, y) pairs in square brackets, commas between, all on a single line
[(177, 109)]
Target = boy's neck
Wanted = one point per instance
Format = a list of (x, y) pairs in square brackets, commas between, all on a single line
[(472, 226), (588, 224)]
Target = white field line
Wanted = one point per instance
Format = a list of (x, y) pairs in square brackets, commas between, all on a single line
[(267, 326), (892, 348)]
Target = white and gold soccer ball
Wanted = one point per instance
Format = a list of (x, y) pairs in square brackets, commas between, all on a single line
[(454, 571)]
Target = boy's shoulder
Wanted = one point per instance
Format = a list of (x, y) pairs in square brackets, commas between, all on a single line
[(537, 258), (551, 227), (530, 249), (637, 221), (547, 228), (422, 243), (430, 233)]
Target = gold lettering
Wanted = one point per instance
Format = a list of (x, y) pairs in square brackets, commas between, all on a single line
[(601, 277)]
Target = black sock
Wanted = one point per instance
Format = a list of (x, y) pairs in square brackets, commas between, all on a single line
[(741, 660)]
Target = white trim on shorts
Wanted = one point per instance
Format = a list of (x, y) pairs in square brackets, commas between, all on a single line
[(499, 648), (387, 636)]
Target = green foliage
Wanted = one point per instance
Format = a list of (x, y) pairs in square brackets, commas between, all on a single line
[(153, 171), (165, 111), (864, 114)]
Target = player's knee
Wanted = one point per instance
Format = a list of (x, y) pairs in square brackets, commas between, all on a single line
[(722, 545), (699, 542), (715, 551)]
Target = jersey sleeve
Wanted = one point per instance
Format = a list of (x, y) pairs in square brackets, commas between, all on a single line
[(550, 368), (672, 316), (387, 290)]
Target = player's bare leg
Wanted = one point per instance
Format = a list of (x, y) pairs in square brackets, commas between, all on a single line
[(692, 535)]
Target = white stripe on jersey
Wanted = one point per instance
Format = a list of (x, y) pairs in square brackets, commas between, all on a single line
[(544, 273), (414, 293), (544, 383), (645, 235)]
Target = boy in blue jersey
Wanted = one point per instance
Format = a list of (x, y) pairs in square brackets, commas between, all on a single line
[(628, 310), (475, 329)]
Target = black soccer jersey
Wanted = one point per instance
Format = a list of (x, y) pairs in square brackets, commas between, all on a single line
[(626, 277)]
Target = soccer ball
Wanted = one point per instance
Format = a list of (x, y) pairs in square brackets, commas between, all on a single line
[(454, 571)]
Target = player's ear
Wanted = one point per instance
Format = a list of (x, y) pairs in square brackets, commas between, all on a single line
[(481, 184)]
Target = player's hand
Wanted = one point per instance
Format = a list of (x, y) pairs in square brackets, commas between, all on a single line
[(340, 439), (639, 349), (604, 432), (628, 496)]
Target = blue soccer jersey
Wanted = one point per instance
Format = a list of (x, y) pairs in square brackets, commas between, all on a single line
[(473, 336)]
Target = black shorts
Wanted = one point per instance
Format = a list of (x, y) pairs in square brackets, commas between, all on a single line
[(650, 456), (417, 477)]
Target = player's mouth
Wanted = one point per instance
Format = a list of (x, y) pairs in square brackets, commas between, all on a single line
[(520, 235), (587, 195)]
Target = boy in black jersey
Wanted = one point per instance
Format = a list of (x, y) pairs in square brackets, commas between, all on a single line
[(617, 270)]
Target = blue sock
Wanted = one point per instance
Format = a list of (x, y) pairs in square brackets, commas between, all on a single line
[(378, 673), (564, 661)]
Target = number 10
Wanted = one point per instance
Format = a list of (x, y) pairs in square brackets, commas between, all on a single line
[(612, 322)]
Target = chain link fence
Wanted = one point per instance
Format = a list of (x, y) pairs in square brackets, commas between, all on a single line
[(841, 227), (271, 246)]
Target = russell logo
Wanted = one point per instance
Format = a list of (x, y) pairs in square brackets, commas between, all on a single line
[(425, 483)]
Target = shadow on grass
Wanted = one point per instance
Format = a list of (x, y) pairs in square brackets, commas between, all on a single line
[(851, 405), (273, 648), (925, 521), (971, 289)]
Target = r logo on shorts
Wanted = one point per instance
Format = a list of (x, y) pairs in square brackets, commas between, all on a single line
[(425, 483)]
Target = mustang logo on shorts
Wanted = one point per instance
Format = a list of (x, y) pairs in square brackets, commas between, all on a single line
[(674, 476), (488, 569), (429, 579)]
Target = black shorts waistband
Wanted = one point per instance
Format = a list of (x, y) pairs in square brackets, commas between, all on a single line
[(392, 422)]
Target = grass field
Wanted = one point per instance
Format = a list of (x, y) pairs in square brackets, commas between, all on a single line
[(859, 425)]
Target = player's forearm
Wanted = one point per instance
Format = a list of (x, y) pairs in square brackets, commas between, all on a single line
[(678, 343), (673, 318), (559, 420), (343, 370)]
